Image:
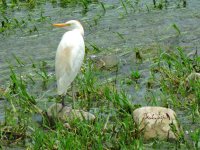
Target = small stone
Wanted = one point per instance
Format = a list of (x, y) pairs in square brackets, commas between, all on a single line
[(192, 54), (110, 61), (54, 109), (156, 122), (65, 113), (106, 61), (3, 92), (82, 115), (193, 77), (67, 125)]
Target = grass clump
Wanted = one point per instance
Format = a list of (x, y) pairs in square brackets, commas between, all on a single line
[(114, 127), (174, 69)]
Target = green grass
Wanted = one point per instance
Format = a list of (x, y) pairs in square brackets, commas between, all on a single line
[(114, 127), (32, 4), (28, 23)]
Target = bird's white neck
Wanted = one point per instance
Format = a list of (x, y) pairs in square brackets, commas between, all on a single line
[(80, 30)]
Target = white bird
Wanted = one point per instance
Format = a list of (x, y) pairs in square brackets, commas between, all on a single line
[(69, 56)]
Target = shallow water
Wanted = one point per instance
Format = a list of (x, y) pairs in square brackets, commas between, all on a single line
[(112, 31)]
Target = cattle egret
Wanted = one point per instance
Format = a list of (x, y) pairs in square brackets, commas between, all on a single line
[(69, 56)]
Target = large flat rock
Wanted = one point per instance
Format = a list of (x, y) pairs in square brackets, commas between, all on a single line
[(67, 113)]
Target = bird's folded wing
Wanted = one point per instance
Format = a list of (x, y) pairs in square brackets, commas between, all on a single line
[(63, 62)]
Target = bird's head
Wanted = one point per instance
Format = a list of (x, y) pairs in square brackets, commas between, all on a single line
[(71, 25)]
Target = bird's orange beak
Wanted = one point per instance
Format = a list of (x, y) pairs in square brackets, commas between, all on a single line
[(60, 25)]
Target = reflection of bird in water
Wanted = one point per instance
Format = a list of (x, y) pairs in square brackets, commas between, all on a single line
[(69, 56)]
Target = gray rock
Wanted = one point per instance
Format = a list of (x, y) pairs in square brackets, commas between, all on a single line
[(65, 113), (106, 61), (191, 79)]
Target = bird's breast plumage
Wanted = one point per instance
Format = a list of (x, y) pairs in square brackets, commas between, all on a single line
[(69, 58)]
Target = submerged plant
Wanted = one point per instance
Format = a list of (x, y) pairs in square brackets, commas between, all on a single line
[(135, 75), (176, 28), (124, 6)]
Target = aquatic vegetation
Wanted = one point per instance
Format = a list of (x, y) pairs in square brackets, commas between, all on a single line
[(25, 25), (32, 4), (124, 6), (160, 4), (176, 28), (135, 75), (174, 68), (112, 107), (8, 24)]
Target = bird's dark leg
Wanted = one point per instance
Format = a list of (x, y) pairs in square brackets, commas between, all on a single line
[(73, 96), (62, 97)]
